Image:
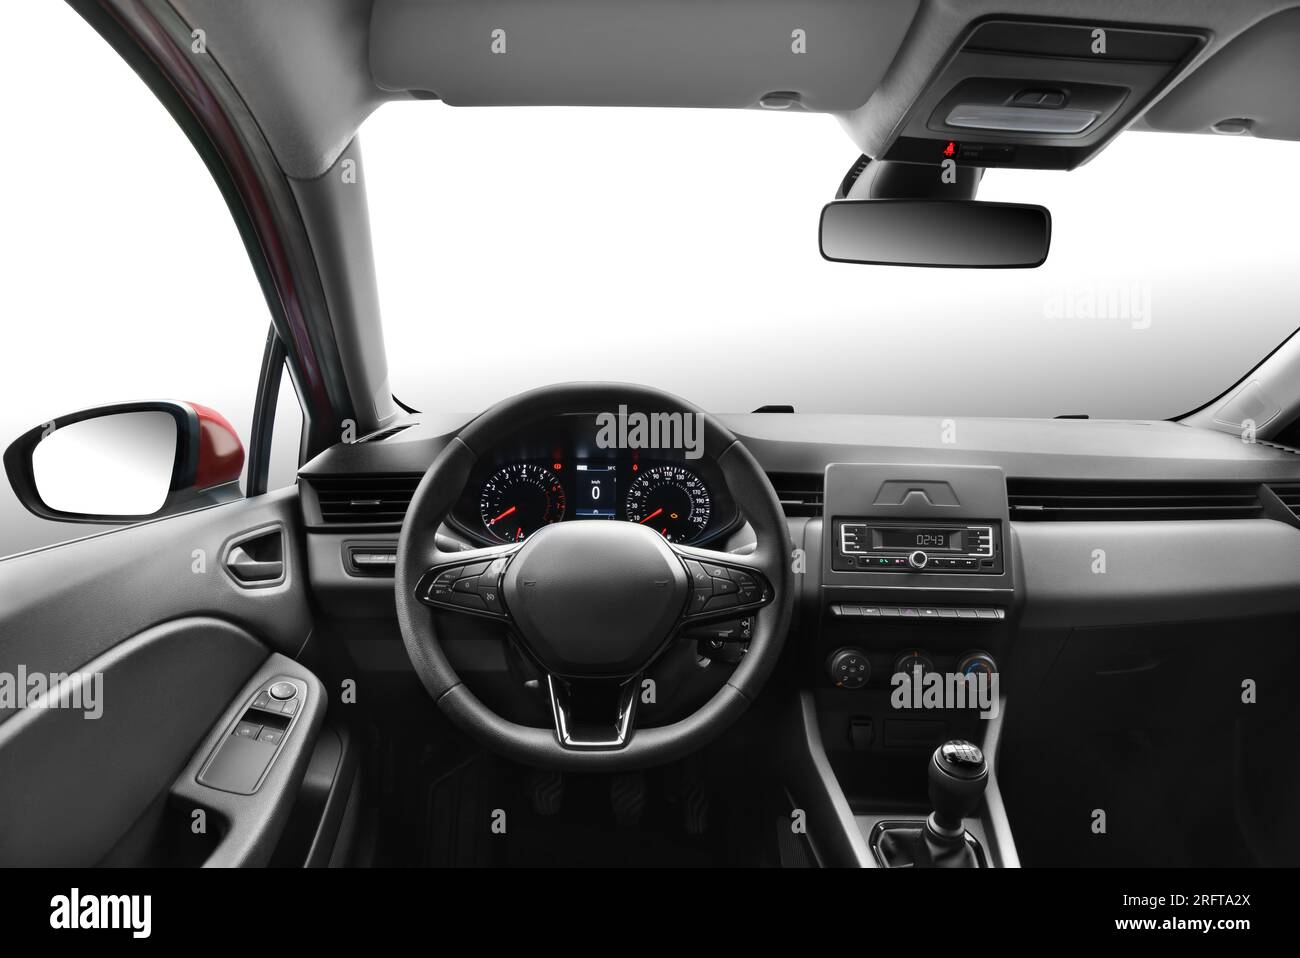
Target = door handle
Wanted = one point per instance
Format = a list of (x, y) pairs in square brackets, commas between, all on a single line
[(247, 569)]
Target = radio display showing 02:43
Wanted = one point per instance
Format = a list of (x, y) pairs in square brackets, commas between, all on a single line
[(932, 539)]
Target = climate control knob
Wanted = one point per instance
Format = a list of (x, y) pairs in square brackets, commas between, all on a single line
[(849, 668), (913, 663), (976, 663), (918, 559)]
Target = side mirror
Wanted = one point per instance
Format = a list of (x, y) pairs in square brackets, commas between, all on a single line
[(126, 462)]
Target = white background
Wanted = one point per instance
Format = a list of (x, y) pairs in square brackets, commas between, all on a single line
[(523, 246)]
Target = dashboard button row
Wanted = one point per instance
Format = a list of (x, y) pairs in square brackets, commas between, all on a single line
[(870, 562), (915, 612)]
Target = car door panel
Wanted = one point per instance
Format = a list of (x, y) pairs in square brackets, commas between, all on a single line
[(153, 614), (62, 606), (84, 779)]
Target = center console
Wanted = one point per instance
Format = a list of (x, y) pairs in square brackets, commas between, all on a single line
[(916, 603)]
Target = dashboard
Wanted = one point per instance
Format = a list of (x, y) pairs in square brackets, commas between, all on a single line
[(354, 497)]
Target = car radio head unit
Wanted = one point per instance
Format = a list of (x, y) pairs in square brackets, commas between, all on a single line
[(872, 545)]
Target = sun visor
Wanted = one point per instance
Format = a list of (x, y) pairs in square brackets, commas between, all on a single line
[(821, 55)]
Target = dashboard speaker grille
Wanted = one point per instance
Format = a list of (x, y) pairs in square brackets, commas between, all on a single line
[(1071, 500), (364, 500), (800, 493)]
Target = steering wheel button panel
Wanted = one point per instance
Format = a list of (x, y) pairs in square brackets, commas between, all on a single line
[(723, 589), (472, 584)]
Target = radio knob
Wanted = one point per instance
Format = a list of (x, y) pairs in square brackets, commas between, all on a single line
[(918, 559)]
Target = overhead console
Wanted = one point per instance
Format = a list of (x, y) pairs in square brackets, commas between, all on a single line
[(1039, 94)]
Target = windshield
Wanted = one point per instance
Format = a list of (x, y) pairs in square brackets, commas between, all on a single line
[(517, 247)]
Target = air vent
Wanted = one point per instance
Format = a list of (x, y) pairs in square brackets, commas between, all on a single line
[(800, 493), (385, 433), (364, 500), (1091, 500), (1289, 493)]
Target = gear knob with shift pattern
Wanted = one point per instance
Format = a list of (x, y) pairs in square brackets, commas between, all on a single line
[(958, 774)]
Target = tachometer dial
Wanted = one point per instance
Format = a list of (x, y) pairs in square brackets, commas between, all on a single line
[(518, 500), (671, 500)]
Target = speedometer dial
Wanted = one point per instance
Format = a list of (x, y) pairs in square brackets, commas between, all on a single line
[(671, 500), (518, 500)]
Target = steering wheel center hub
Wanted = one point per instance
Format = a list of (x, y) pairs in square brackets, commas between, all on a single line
[(595, 598)]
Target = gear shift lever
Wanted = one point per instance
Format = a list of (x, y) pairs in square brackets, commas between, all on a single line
[(958, 775)]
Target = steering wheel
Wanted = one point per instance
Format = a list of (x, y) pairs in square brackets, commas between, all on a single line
[(593, 604)]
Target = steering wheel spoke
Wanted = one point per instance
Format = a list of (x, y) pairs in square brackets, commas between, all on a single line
[(468, 582), (593, 714), (724, 585)]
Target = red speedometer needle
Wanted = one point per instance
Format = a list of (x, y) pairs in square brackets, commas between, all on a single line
[(651, 516), (503, 515)]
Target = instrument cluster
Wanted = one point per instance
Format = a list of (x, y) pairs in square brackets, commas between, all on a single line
[(517, 498)]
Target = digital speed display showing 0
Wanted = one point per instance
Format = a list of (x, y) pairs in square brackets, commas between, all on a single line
[(931, 540)]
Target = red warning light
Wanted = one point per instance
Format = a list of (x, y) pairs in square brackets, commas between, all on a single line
[(950, 149), (557, 466)]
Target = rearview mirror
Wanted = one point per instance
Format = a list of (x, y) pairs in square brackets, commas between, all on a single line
[(965, 233), (126, 462)]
